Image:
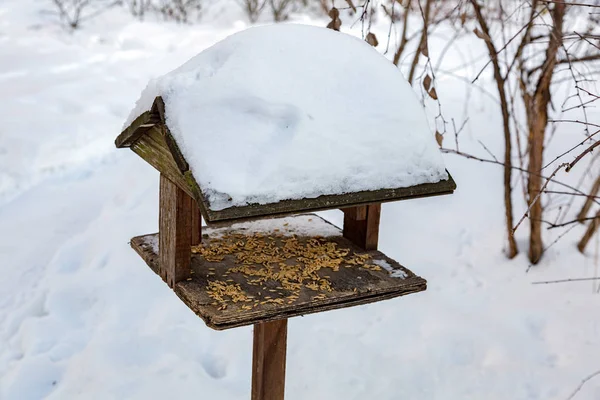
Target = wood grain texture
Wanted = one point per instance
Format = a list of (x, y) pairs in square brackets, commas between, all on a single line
[(351, 286), (327, 202), (142, 124), (154, 150), (361, 225), (175, 232), (196, 224), (268, 360)]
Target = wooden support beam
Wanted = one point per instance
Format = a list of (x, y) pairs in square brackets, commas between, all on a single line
[(361, 225), (268, 360), (179, 228), (196, 224)]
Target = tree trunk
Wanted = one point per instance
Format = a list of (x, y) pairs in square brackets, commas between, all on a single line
[(589, 201), (537, 131), (422, 42), (537, 113), (501, 86), (508, 205), (592, 228)]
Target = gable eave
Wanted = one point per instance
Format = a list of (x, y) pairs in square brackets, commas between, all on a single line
[(142, 124)]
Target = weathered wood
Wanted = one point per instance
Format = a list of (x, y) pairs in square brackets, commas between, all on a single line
[(153, 148), (142, 124), (175, 232), (361, 225), (327, 202), (137, 129), (174, 149), (268, 360), (350, 285), (196, 225)]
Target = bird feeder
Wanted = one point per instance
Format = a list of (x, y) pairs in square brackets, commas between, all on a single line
[(264, 256)]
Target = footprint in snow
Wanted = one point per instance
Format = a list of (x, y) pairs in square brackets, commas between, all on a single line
[(215, 367)]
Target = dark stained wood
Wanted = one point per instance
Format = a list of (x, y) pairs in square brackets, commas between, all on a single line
[(158, 108), (150, 138), (174, 149), (136, 130), (152, 148), (147, 247), (142, 124), (175, 232), (327, 202), (361, 225), (268, 360), (351, 286), (196, 225)]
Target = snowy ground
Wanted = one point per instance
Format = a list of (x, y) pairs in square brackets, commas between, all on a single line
[(82, 317)]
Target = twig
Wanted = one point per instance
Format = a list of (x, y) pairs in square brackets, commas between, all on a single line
[(580, 156), (583, 383), (537, 196), (571, 149), (566, 280), (524, 170), (552, 226), (572, 3), (559, 237)]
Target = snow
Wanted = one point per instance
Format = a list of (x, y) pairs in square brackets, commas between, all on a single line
[(153, 242), (292, 111), (394, 273), (81, 316), (302, 225)]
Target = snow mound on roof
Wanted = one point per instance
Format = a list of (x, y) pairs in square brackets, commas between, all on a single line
[(293, 111)]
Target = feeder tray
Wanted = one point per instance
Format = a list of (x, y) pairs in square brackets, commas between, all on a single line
[(350, 285)]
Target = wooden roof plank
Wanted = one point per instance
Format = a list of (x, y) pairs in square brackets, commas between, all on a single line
[(327, 202)]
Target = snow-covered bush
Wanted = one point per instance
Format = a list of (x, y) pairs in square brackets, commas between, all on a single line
[(73, 12), (169, 10)]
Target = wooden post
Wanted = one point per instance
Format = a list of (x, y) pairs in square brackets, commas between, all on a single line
[(268, 360), (179, 228), (361, 225), (196, 224)]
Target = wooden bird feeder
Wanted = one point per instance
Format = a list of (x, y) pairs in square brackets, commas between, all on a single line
[(260, 264)]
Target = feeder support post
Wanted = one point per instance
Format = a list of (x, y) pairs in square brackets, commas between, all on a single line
[(268, 360), (361, 225), (179, 228)]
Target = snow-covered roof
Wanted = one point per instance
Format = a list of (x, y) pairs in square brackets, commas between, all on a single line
[(289, 112)]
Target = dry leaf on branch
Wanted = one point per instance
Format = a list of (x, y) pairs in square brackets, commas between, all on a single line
[(433, 94), (372, 39), (335, 22), (439, 138), (427, 82), (480, 34)]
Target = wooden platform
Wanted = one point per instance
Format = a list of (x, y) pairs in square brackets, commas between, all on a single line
[(265, 270)]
